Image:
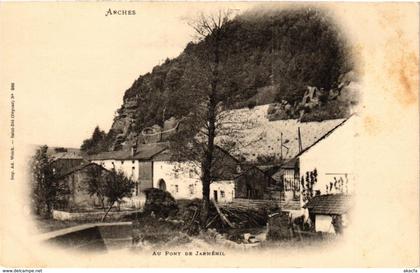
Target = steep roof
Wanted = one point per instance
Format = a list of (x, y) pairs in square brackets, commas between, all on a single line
[(323, 137), (143, 152), (259, 137), (66, 155), (78, 168), (329, 204), (147, 151), (219, 153), (63, 153), (64, 165)]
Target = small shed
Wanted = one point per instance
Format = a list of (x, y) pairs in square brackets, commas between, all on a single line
[(329, 212), (253, 184)]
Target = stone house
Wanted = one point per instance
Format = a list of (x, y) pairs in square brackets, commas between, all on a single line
[(74, 185), (64, 160)]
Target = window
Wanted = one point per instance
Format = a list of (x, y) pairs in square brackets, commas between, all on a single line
[(191, 189), (176, 174), (222, 194), (191, 173), (122, 162), (176, 188)]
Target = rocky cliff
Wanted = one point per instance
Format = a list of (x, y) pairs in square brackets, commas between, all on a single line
[(296, 60)]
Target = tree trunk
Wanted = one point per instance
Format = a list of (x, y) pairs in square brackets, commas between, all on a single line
[(48, 213), (206, 165), (206, 198), (204, 214), (102, 202), (110, 207)]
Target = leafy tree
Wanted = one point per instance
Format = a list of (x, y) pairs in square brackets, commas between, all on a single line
[(95, 185), (46, 190), (96, 143), (116, 187)]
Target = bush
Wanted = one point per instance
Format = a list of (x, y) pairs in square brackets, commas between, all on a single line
[(251, 103), (332, 110), (160, 202)]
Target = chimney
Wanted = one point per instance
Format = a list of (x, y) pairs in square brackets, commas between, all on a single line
[(300, 140), (133, 150), (281, 146)]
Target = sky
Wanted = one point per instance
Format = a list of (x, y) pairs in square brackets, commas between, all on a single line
[(72, 64)]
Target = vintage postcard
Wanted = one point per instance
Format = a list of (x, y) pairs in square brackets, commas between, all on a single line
[(209, 134)]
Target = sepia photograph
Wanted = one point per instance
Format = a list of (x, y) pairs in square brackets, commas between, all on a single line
[(217, 134)]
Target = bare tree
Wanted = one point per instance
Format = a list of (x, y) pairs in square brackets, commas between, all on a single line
[(208, 118)]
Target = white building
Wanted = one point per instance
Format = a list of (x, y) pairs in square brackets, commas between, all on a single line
[(150, 166), (135, 164), (332, 157), (330, 161), (182, 180), (329, 212)]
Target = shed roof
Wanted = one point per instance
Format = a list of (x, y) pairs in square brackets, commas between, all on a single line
[(289, 164), (273, 169), (329, 204), (254, 168)]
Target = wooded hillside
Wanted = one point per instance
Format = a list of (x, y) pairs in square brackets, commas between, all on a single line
[(272, 57)]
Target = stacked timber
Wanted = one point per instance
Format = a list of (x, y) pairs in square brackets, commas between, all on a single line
[(226, 217)]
